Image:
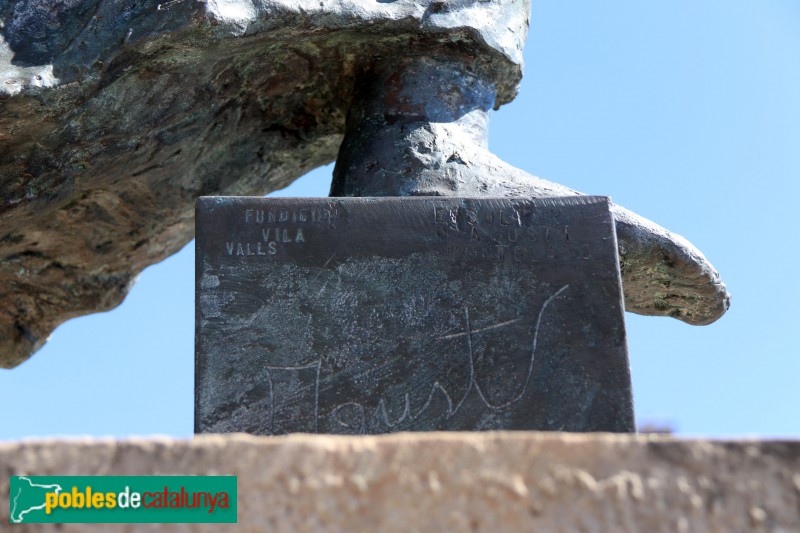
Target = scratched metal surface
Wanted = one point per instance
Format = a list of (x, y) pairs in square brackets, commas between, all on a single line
[(372, 315)]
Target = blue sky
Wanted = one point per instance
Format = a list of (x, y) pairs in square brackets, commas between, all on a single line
[(685, 111)]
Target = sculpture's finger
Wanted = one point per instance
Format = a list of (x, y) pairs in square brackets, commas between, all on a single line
[(664, 274)]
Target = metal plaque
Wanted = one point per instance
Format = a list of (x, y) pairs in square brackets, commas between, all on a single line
[(373, 315)]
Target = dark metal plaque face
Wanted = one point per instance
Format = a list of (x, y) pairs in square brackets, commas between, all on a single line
[(372, 315)]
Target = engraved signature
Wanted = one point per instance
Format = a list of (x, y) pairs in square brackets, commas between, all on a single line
[(356, 412)]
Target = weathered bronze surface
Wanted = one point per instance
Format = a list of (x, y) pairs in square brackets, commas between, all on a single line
[(371, 315), (115, 116)]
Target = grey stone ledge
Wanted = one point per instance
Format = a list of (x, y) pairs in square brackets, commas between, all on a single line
[(505, 481)]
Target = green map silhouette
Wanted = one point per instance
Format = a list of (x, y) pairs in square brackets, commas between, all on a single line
[(28, 497)]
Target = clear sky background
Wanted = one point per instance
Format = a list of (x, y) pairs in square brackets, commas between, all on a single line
[(684, 111)]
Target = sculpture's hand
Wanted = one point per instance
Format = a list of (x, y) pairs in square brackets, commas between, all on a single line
[(406, 136)]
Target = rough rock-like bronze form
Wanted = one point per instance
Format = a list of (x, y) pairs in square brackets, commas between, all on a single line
[(115, 116)]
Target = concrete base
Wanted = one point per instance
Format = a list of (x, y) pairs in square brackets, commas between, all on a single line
[(489, 482)]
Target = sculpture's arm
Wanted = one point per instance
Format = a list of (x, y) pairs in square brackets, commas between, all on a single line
[(419, 127)]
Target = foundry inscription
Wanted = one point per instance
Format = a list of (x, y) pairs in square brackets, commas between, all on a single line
[(371, 315), (278, 227)]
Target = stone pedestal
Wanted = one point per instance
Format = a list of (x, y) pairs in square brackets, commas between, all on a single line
[(485, 482)]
